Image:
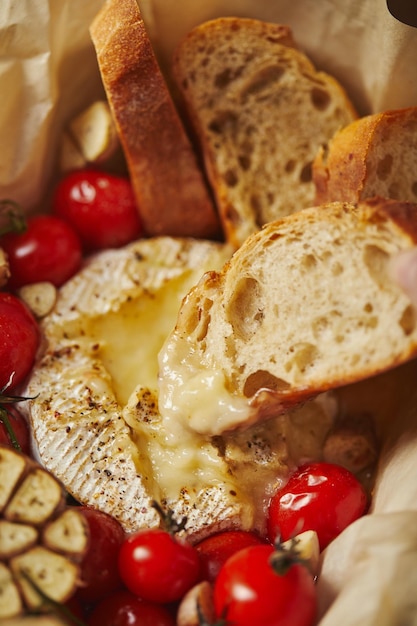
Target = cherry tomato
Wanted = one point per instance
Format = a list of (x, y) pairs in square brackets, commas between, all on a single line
[(158, 566), (123, 608), (100, 206), (216, 549), (319, 496), (49, 250), (19, 341), (100, 575), (19, 427), (248, 591)]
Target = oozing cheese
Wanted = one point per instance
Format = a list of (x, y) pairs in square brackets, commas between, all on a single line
[(131, 337), (201, 401), (95, 413)]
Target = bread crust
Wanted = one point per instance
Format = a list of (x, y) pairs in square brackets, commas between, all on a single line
[(374, 155), (170, 190)]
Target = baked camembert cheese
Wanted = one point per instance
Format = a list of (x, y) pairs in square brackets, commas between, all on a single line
[(95, 412)]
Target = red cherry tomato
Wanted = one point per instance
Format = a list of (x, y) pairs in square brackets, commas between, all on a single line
[(158, 566), (19, 341), (49, 250), (248, 591), (320, 496), (100, 207), (216, 549), (122, 608), (19, 427), (100, 575)]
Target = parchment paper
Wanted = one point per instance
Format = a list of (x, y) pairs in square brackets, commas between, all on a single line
[(369, 573), (48, 73)]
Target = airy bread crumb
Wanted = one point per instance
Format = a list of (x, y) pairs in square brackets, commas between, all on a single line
[(260, 111), (305, 305)]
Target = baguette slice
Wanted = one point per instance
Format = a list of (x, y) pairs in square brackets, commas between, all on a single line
[(305, 305), (169, 186), (260, 111), (375, 155)]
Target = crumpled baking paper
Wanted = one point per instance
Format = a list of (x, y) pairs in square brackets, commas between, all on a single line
[(369, 574), (48, 73)]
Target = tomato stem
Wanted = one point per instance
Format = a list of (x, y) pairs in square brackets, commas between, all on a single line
[(12, 219), (5, 415), (12, 399), (170, 524), (285, 556), (4, 418)]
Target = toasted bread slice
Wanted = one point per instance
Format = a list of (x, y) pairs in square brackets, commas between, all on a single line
[(169, 186), (305, 305), (260, 111), (374, 155)]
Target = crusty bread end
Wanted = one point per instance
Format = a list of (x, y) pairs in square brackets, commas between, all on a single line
[(375, 155), (168, 183)]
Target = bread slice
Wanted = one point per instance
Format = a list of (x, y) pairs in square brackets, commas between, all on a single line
[(375, 155), (260, 111), (305, 305), (169, 186)]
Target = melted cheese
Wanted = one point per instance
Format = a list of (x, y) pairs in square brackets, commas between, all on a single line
[(200, 401), (130, 337), (116, 330), (180, 458)]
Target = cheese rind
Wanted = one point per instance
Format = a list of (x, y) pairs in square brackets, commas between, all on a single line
[(95, 411), (102, 338)]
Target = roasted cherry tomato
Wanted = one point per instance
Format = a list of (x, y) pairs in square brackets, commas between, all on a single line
[(100, 207), (100, 575), (320, 496), (123, 608), (49, 250), (158, 566), (249, 591), (19, 340), (216, 549)]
